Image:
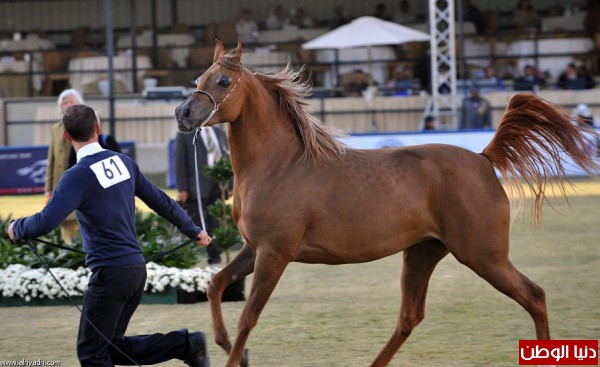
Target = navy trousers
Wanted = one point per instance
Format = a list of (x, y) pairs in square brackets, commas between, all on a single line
[(112, 297)]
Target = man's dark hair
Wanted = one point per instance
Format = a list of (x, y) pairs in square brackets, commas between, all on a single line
[(80, 122)]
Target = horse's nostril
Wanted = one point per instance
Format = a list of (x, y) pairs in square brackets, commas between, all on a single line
[(186, 112)]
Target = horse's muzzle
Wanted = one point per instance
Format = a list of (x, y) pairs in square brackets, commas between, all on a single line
[(183, 116), (189, 115)]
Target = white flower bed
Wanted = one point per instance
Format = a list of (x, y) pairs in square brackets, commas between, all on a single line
[(21, 281), (190, 280)]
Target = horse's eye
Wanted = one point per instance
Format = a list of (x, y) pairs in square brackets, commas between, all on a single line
[(197, 80), (224, 82)]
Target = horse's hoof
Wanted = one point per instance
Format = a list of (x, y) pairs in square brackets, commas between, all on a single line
[(245, 358)]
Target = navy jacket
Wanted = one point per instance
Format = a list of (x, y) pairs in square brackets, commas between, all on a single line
[(101, 188)]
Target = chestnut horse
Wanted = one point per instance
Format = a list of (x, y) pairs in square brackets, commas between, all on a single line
[(301, 195)]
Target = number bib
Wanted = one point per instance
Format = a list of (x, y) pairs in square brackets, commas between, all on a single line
[(110, 171)]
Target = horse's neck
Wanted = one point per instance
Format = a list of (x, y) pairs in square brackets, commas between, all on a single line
[(261, 138)]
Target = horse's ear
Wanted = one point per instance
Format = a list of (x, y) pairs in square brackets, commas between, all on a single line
[(237, 55), (219, 49)]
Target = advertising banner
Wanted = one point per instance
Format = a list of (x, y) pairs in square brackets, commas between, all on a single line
[(23, 169)]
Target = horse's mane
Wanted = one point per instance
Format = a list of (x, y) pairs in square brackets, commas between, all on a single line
[(319, 140)]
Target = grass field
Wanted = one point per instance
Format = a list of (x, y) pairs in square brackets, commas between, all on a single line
[(343, 315)]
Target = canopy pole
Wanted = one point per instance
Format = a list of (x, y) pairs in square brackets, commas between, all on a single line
[(110, 48), (370, 65)]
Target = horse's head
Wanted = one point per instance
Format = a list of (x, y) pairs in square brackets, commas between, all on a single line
[(217, 95)]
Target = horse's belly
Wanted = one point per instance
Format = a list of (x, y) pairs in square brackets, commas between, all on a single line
[(328, 250)]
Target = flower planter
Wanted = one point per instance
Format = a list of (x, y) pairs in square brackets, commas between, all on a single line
[(233, 292), (184, 297), (169, 296), (19, 302), (23, 286)]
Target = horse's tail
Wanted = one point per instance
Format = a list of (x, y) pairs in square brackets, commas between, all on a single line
[(531, 136)]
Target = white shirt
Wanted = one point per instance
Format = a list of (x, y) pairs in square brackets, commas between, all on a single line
[(89, 149), (211, 156)]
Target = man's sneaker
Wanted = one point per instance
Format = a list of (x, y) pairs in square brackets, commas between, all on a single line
[(197, 355)]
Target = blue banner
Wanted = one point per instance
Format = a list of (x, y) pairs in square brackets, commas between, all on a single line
[(23, 169)]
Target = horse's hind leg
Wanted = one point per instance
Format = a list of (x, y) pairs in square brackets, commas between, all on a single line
[(239, 267), (419, 262), (496, 269)]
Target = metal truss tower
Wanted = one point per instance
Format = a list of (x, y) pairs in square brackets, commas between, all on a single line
[(443, 103)]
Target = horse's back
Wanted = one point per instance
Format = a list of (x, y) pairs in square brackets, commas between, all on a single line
[(428, 166)]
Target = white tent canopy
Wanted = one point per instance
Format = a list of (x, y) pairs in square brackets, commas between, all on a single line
[(366, 31)]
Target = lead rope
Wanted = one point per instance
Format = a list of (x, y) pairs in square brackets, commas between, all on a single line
[(198, 193), (34, 250)]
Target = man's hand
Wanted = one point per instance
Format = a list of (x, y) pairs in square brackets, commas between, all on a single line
[(203, 238), (183, 196), (11, 232)]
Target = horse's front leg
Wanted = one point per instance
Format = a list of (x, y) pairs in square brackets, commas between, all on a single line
[(269, 266), (239, 267)]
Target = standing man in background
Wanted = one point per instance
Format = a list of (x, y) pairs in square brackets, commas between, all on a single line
[(211, 145), (476, 112), (58, 158)]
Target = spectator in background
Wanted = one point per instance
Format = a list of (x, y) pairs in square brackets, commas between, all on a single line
[(246, 26), (429, 123), (476, 112), (571, 79), (471, 13), (357, 85), (381, 12), (404, 15), (301, 19), (339, 17), (530, 80), (276, 17), (583, 72), (401, 83), (58, 160), (488, 82), (525, 16)]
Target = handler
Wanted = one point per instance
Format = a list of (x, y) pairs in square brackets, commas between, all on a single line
[(101, 188)]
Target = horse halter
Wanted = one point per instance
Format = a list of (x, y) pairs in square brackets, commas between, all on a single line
[(197, 134), (216, 105)]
